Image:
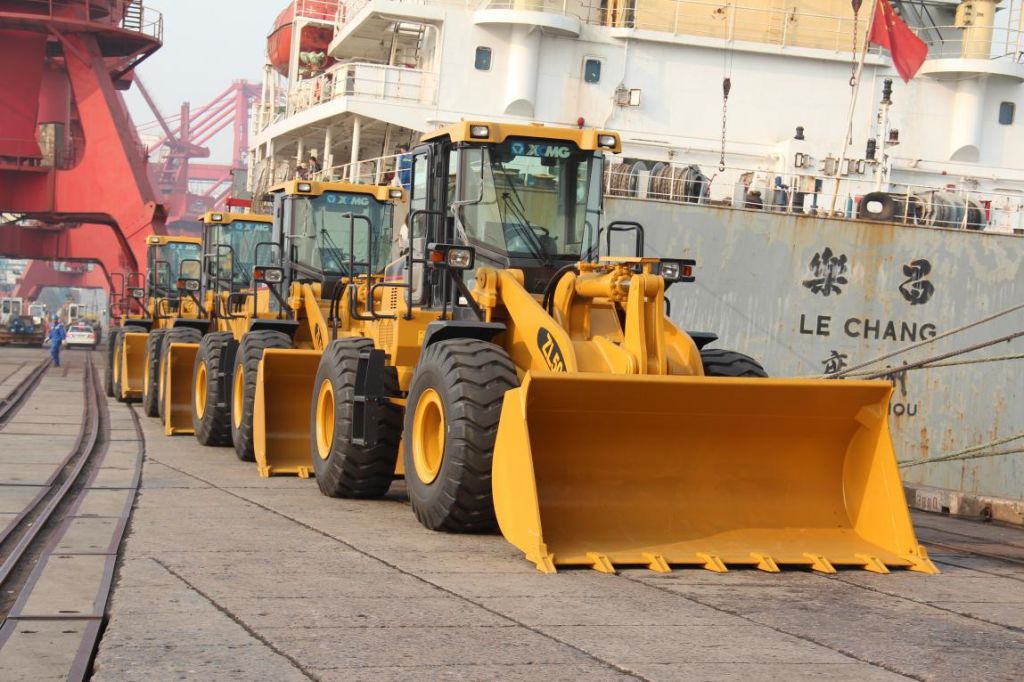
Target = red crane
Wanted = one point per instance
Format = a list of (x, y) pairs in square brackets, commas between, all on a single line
[(189, 189), (73, 178)]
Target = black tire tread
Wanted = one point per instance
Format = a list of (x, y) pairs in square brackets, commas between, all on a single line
[(250, 352), (214, 427), (477, 374), (149, 400), (719, 362), (352, 471)]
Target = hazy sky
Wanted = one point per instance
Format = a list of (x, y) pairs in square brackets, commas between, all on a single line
[(207, 44)]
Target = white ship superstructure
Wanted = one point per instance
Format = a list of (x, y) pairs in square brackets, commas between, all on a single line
[(654, 70)]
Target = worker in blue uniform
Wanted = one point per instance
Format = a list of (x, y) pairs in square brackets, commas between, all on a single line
[(57, 334)]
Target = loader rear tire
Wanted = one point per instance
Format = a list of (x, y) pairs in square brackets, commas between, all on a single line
[(344, 469), (243, 391), (172, 335), (212, 425), (451, 422), (151, 393), (115, 361), (729, 363), (108, 375)]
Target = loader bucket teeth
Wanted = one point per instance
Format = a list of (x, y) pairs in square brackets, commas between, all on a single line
[(710, 472), (178, 388), (281, 422), (133, 365)]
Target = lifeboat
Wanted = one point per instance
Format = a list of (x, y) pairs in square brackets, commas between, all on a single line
[(314, 38)]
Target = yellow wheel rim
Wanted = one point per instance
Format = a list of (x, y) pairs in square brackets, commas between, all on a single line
[(201, 389), (117, 366), (237, 400), (428, 436), (146, 382), (325, 419)]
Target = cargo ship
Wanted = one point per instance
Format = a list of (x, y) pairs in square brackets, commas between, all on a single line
[(838, 215)]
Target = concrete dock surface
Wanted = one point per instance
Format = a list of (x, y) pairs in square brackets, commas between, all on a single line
[(223, 575)]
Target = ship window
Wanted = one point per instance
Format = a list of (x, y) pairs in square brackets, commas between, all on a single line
[(1006, 112), (591, 70), (483, 59)]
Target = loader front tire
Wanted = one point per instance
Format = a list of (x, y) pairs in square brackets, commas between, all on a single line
[(172, 335), (151, 392), (729, 363), (451, 422), (243, 391), (211, 409), (344, 469), (115, 360)]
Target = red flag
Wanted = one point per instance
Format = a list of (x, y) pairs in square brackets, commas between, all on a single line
[(907, 50)]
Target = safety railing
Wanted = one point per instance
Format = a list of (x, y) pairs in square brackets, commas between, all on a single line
[(788, 25), (946, 42), (949, 206), (133, 16), (742, 188), (382, 170), (316, 10), (364, 80)]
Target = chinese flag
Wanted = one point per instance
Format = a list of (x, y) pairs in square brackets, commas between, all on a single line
[(907, 50)]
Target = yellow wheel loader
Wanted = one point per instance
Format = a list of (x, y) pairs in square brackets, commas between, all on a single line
[(535, 382), (330, 233), (196, 356), (157, 302)]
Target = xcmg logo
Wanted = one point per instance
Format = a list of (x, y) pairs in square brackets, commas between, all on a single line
[(544, 151), (348, 199)]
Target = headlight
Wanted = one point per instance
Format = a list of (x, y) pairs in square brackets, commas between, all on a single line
[(395, 193), (137, 293), (460, 258), (608, 141), (304, 187), (268, 275), (677, 270), (454, 256), (479, 132), (192, 285), (217, 217)]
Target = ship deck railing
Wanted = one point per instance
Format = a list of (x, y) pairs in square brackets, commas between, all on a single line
[(364, 80), (949, 206), (785, 26), (800, 192)]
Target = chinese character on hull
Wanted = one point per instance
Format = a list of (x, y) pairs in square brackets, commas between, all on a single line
[(828, 272)]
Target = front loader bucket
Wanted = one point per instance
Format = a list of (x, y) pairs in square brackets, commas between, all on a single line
[(605, 470), (133, 365), (284, 394), (178, 389)]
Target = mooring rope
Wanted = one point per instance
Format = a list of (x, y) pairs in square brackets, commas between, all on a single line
[(926, 362), (900, 351), (973, 452)]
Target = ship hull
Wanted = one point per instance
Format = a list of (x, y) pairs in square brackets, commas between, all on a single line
[(809, 296)]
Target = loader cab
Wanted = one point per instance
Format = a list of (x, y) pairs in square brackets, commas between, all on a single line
[(333, 230), (230, 243), (524, 196), (167, 259)]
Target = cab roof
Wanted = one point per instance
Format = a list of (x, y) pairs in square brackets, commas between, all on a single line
[(162, 239), (382, 193), (584, 138), (223, 218)]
